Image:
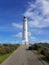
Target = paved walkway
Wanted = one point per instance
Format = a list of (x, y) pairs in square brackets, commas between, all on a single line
[(23, 57)]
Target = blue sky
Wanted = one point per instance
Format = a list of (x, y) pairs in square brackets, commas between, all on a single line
[(11, 20)]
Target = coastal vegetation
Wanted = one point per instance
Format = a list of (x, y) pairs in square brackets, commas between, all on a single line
[(6, 50), (42, 50)]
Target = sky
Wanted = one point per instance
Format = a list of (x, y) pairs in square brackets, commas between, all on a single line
[(11, 20)]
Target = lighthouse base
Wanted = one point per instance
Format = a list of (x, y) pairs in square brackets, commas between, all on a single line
[(25, 42)]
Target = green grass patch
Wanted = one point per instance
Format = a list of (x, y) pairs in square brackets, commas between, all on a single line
[(35, 51), (3, 57)]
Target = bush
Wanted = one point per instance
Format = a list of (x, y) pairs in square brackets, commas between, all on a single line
[(30, 48), (8, 48), (35, 47), (42, 52)]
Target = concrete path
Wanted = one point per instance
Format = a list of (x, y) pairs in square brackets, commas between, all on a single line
[(22, 56)]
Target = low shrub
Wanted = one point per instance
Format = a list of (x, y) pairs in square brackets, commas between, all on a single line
[(30, 48), (8, 48), (42, 52)]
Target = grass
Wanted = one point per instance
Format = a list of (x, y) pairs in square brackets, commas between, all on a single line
[(40, 56), (3, 57), (35, 51)]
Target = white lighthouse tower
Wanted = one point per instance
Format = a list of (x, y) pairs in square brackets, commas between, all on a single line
[(25, 31)]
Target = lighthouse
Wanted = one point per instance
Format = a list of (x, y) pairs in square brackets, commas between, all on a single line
[(25, 31)]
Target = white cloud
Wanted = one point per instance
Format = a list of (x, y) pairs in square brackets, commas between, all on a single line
[(38, 13), (45, 6), (18, 35), (17, 25), (45, 41), (29, 33), (33, 38)]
